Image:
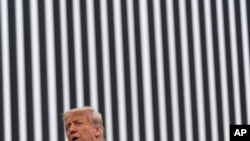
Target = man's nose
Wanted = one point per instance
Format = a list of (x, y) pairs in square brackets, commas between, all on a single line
[(72, 129)]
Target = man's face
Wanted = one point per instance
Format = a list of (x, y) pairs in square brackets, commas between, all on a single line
[(79, 127)]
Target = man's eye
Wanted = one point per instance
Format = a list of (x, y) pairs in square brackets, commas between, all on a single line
[(67, 128)]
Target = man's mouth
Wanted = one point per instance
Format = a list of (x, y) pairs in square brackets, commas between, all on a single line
[(74, 138)]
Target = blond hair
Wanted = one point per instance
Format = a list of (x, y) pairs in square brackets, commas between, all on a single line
[(95, 117)]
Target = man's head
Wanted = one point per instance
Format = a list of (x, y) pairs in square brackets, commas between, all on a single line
[(83, 124)]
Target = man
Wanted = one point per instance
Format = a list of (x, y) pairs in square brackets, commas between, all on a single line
[(83, 124)]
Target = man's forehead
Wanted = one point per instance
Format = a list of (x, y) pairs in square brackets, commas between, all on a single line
[(76, 116)]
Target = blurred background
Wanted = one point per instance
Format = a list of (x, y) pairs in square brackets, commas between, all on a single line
[(157, 70)]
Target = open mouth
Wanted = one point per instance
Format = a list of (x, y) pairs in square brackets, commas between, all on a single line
[(74, 138)]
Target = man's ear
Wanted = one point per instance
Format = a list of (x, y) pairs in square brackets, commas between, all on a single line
[(98, 131)]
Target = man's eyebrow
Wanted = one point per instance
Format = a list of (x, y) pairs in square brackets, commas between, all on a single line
[(74, 121), (77, 120)]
